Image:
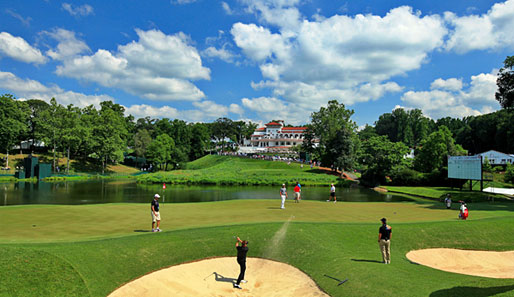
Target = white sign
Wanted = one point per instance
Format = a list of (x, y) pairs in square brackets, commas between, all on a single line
[(465, 167)]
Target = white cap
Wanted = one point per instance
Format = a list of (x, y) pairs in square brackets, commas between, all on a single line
[(157, 196)]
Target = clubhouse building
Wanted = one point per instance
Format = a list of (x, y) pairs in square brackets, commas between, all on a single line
[(274, 137)]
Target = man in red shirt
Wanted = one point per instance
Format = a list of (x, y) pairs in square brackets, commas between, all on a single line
[(297, 191)]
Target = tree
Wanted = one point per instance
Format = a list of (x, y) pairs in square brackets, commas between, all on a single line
[(70, 131), (335, 131), (222, 128), (36, 108), (367, 132), (14, 118), (200, 138), (47, 127), (110, 133), (381, 156), (435, 150), (243, 130), (142, 140), (161, 149), (505, 83)]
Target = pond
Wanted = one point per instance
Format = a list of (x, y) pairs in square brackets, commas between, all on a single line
[(111, 191)]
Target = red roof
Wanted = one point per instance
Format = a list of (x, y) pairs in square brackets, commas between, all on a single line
[(260, 129), (294, 128), (273, 124)]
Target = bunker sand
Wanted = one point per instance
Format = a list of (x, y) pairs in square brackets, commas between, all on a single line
[(477, 263), (215, 277)]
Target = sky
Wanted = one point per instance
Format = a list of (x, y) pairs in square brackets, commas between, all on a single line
[(258, 60)]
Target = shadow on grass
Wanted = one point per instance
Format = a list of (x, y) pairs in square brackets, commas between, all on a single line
[(81, 165), (274, 207), (142, 231), (472, 291), (365, 260)]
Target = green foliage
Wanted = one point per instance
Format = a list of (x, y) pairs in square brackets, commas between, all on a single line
[(14, 118), (509, 174), (505, 83), (141, 141), (486, 165), (336, 134), (410, 127), (380, 156), (160, 151), (435, 150)]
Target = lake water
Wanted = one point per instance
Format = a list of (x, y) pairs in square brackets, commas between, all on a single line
[(109, 191)]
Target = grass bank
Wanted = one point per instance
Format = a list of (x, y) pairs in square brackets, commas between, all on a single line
[(229, 170), (344, 249), (439, 193)]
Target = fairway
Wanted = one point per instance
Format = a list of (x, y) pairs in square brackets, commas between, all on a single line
[(91, 250)]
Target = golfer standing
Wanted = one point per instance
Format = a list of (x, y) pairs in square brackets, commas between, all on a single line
[(241, 260), (283, 195), (332, 193), (156, 216), (384, 241), (297, 191)]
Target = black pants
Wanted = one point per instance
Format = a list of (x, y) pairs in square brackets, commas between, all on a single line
[(242, 265)]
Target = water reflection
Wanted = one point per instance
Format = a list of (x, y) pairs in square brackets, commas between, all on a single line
[(110, 191)]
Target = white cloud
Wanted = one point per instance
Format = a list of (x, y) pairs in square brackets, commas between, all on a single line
[(156, 67), (222, 53), (451, 84), (31, 89), (226, 8), (269, 108), (83, 10), (25, 21), (349, 58), (143, 110), (68, 46), (18, 49), (236, 109), (492, 30), (180, 2), (477, 99)]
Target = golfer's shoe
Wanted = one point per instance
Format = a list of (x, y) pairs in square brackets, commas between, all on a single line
[(328, 200), (237, 286), (158, 230), (244, 281), (153, 230)]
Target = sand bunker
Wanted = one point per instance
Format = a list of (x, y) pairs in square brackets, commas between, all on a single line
[(214, 277), (477, 263)]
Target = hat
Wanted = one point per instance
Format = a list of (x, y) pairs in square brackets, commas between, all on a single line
[(383, 220), (157, 196)]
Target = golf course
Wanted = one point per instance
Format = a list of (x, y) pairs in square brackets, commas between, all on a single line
[(90, 250)]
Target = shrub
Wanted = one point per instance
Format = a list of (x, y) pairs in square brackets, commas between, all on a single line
[(406, 177), (509, 174)]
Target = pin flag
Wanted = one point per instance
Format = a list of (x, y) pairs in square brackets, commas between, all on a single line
[(164, 185)]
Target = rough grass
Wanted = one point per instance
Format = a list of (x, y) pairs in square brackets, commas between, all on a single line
[(229, 170)]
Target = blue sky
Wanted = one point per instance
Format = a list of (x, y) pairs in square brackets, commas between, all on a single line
[(258, 60)]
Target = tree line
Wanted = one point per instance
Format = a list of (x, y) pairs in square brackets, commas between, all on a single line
[(106, 135)]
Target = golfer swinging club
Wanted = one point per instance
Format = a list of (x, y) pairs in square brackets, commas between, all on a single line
[(241, 260)]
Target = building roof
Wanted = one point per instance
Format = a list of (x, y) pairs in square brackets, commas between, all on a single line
[(273, 124), (260, 129), (294, 128), (493, 151)]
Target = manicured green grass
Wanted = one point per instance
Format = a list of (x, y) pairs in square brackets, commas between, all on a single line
[(343, 250), (439, 193), (52, 223), (229, 170)]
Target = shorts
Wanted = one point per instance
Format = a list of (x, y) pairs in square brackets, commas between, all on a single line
[(156, 217), (296, 195), (332, 194)]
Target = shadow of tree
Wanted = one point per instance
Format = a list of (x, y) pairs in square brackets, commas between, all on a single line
[(472, 291)]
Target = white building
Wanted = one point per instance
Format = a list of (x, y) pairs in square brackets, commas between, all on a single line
[(497, 158), (274, 136)]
